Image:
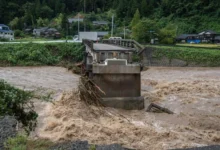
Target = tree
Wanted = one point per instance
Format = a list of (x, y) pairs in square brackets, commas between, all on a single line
[(14, 23), (42, 22), (141, 31), (167, 34), (17, 103), (136, 18), (143, 8), (46, 12)]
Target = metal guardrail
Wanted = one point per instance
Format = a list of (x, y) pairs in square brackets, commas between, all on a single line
[(124, 43), (118, 42)]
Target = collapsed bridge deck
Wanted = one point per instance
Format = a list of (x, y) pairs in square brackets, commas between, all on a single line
[(112, 68)]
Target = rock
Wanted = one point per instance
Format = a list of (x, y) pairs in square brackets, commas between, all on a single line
[(211, 147), (7, 129), (77, 145), (80, 145), (84, 145), (111, 147)]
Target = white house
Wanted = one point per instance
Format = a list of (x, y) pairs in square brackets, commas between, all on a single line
[(6, 33)]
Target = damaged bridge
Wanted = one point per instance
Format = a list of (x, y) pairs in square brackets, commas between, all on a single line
[(111, 67)]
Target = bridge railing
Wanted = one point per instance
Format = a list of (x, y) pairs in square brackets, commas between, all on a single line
[(88, 43), (124, 43)]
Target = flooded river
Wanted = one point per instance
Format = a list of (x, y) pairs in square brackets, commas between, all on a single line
[(193, 94)]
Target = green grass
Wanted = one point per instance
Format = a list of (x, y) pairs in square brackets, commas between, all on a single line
[(200, 45), (33, 54), (201, 56), (30, 39), (21, 142)]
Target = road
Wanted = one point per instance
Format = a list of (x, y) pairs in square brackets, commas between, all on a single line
[(42, 42), (99, 47)]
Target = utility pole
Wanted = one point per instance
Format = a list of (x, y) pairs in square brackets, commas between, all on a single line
[(124, 32), (84, 13), (78, 26), (112, 25)]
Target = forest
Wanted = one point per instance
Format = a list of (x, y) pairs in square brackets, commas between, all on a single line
[(163, 17)]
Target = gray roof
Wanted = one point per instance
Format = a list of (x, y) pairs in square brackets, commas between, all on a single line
[(5, 30), (184, 36), (52, 29), (71, 20), (102, 33), (207, 32), (3, 25), (100, 22)]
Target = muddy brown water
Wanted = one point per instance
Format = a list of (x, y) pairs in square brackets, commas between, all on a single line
[(193, 94)]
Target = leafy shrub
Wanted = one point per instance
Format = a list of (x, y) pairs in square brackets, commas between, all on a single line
[(21, 142), (18, 33), (4, 39), (16, 102), (40, 54)]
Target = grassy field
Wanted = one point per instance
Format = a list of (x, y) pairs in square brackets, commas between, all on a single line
[(201, 56), (201, 45)]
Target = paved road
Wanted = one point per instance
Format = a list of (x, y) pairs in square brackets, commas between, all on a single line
[(41, 42), (99, 46)]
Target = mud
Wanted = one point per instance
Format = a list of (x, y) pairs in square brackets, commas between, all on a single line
[(192, 93)]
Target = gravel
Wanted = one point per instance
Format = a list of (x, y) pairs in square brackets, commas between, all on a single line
[(7, 129)]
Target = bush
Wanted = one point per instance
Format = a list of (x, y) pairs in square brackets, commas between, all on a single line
[(16, 102), (40, 54), (21, 142), (4, 39), (19, 33)]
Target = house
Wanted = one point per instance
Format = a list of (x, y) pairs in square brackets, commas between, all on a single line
[(39, 31), (188, 38), (207, 36), (99, 23), (6, 33), (46, 32), (76, 18), (217, 39)]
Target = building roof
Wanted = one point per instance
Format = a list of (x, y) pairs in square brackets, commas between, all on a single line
[(207, 32), (184, 36), (102, 33), (52, 29), (3, 25), (5, 31), (217, 38), (41, 29), (71, 20), (100, 22)]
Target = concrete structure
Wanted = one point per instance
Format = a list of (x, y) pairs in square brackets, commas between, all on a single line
[(92, 35), (112, 69), (99, 23), (6, 33)]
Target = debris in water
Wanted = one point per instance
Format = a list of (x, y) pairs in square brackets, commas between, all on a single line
[(156, 108)]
